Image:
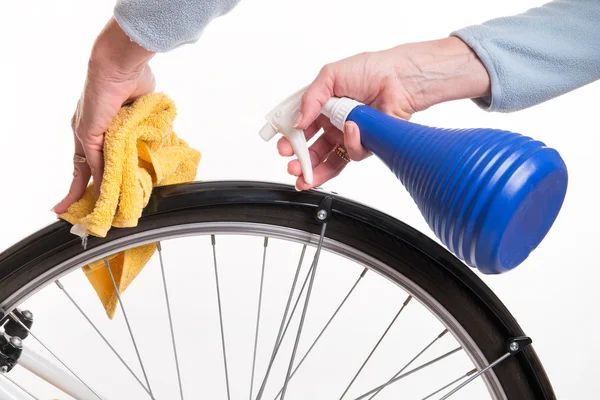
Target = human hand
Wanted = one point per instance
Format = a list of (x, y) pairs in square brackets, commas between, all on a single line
[(399, 82), (366, 77), (118, 73)]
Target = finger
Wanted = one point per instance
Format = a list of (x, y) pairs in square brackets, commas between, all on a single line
[(285, 148), (315, 96), (323, 172), (95, 160), (81, 177), (317, 152), (355, 149)]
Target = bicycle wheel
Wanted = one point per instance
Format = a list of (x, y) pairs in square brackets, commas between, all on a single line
[(412, 262)]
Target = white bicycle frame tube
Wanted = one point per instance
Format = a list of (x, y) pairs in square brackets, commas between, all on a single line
[(51, 373), (8, 391)]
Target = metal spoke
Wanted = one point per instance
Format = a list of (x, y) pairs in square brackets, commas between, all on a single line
[(471, 372), (164, 280), (412, 371), (376, 345), (17, 320), (137, 352), (213, 241), (5, 375), (64, 290), (472, 378), (413, 360), (326, 326), (289, 300), (281, 334), (305, 308), (260, 294)]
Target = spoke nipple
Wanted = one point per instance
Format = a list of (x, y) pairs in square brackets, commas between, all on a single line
[(322, 215), (514, 346), (213, 240), (158, 246), (60, 285)]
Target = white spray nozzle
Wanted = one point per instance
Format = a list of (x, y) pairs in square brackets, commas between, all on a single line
[(281, 119)]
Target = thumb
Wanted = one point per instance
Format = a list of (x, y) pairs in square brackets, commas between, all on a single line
[(315, 96)]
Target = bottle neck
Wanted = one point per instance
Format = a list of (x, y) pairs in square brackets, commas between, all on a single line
[(337, 110)]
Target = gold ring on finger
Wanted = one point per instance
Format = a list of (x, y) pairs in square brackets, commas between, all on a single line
[(79, 159), (342, 153)]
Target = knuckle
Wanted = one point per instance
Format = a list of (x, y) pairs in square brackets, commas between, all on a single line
[(365, 54), (395, 107), (80, 135), (306, 95), (386, 106), (80, 171), (90, 142), (391, 109), (327, 74), (327, 69), (75, 119)]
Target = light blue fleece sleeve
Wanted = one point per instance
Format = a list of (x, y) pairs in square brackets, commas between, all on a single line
[(163, 25), (538, 55)]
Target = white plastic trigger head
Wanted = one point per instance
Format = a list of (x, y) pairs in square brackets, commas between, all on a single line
[(280, 120)]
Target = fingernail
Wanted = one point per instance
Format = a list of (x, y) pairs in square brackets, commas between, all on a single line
[(297, 188), (348, 128), (297, 120), (52, 210)]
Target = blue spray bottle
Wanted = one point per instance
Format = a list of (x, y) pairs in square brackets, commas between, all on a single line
[(490, 196)]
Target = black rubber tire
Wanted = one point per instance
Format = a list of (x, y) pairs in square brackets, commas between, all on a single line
[(411, 253)]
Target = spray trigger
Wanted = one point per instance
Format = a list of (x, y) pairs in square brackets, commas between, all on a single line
[(280, 120)]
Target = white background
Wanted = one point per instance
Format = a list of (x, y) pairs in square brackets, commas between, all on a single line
[(248, 61)]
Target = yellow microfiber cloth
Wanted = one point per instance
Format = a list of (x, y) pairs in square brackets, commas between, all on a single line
[(141, 151)]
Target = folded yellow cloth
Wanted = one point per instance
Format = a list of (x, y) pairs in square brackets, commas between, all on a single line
[(141, 151)]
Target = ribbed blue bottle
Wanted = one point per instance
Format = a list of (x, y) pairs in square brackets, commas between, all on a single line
[(490, 196)]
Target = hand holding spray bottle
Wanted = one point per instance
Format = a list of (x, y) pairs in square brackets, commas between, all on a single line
[(490, 196)]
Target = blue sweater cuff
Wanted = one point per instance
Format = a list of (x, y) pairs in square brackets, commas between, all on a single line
[(488, 103), (163, 25), (138, 34), (538, 55)]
